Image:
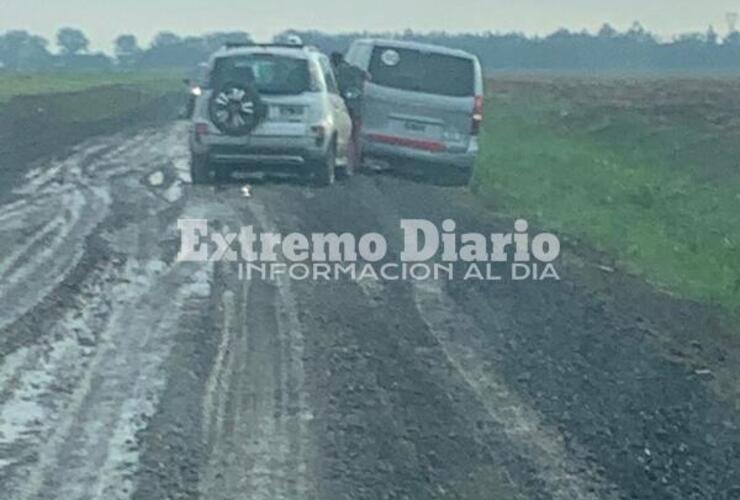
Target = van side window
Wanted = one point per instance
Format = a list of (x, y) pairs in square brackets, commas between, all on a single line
[(351, 54), (428, 72), (359, 54)]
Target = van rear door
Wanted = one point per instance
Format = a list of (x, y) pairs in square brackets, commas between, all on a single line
[(417, 99)]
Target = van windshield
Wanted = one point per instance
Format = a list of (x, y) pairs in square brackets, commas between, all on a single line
[(270, 74), (432, 73)]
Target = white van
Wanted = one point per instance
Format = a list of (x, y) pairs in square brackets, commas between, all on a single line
[(423, 103)]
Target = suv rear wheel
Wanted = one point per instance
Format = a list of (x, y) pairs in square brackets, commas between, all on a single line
[(200, 170), (325, 169)]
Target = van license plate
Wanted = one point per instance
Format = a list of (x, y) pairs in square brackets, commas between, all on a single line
[(416, 127)]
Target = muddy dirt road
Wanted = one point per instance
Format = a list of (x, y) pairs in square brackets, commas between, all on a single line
[(126, 375)]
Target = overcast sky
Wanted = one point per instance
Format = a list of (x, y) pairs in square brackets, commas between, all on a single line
[(103, 19)]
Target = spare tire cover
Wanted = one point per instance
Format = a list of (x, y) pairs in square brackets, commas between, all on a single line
[(236, 109)]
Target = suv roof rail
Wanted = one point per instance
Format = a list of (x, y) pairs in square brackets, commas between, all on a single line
[(240, 45), (236, 45)]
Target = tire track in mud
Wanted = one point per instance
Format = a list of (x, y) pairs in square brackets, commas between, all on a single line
[(256, 408), (563, 471), (73, 403), (86, 454), (45, 266), (297, 413), (77, 191), (560, 471), (566, 476), (46, 258)]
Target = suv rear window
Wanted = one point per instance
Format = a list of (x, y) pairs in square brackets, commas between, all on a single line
[(432, 73), (270, 74)]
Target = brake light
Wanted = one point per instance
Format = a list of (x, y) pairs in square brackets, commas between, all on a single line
[(433, 146), (477, 115)]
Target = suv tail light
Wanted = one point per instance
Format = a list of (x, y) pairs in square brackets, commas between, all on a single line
[(477, 115), (201, 129), (319, 133)]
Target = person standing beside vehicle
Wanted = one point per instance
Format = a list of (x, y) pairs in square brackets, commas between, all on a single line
[(351, 82)]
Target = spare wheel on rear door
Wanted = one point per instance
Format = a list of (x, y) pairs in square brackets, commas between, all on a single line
[(236, 109)]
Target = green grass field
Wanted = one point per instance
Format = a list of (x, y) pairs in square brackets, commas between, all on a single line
[(644, 170), (15, 84), (67, 97), (45, 113)]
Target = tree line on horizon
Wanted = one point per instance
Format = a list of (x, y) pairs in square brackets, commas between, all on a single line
[(608, 49)]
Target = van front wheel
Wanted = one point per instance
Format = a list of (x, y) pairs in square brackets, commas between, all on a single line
[(449, 175)]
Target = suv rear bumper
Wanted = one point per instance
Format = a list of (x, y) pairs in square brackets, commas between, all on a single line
[(463, 160), (293, 151), (217, 155)]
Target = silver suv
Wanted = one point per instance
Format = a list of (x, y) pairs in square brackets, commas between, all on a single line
[(269, 106), (422, 102)]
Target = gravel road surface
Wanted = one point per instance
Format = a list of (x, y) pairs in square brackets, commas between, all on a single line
[(127, 375)]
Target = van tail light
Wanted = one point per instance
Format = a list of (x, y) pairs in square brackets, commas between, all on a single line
[(201, 129), (477, 115)]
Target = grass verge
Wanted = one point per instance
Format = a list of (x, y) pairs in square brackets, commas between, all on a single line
[(19, 84), (646, 171)]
